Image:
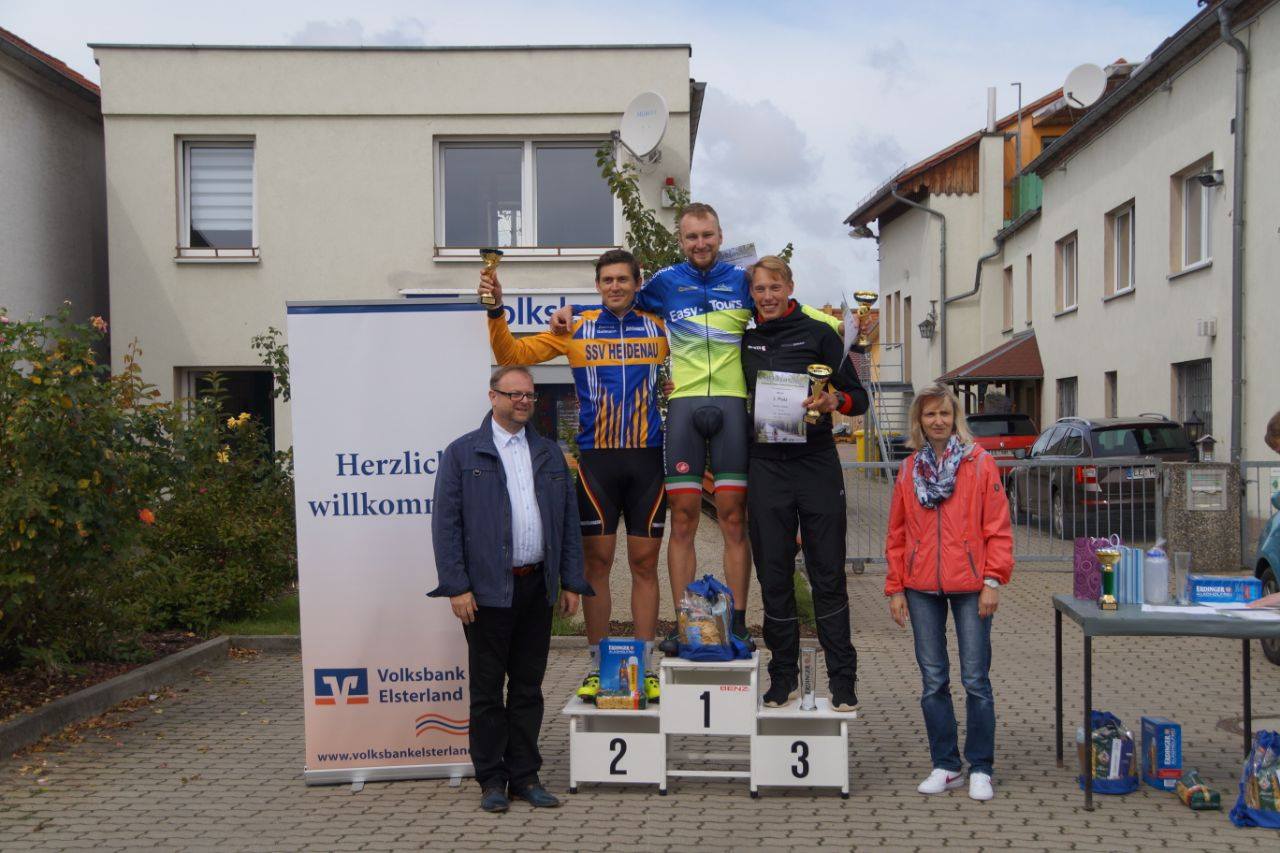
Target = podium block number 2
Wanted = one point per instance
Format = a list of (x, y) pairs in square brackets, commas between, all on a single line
[(618, 745), (800, 750)]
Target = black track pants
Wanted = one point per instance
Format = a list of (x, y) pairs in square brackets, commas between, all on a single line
[(804, 493)]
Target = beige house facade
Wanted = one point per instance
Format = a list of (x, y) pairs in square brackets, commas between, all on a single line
[(53, 222), (242, 178)]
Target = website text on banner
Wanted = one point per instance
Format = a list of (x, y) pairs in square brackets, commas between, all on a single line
[(379, 391)]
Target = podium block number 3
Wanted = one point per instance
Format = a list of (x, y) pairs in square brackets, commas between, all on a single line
[(800, 750), (618, 745)]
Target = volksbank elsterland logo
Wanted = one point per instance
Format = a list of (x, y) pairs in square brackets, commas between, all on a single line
[(342, 686), (440, 723)]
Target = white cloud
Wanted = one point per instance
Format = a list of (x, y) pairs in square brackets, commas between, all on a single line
[(403, 32)]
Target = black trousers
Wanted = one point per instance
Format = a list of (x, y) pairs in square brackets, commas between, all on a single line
[(509, 644), (805, 493)]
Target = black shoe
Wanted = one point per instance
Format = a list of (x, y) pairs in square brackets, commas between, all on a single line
[(744, 635), (782, 691), (536, 796), (671, 645), (494, 800), (844, 698)]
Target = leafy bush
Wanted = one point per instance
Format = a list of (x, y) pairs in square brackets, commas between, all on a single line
[(73, 477), (120, 513), (222, 545)]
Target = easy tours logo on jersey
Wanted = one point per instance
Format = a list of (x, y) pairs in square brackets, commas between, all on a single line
[(342, 686)]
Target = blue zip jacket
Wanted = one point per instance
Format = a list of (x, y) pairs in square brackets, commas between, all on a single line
[(471, 520)]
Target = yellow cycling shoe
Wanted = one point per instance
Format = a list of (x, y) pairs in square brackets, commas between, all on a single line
[(651, 690), (590, 687)]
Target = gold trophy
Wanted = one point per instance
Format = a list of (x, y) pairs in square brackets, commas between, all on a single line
[(491, 259), (865, 299), (1108, 557), (818, 375)]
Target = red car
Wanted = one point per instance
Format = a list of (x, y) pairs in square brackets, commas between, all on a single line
[(1007, 436)]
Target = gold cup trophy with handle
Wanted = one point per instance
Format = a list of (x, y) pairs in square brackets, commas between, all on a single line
[(818, 375), (865, 299), (491, 257)]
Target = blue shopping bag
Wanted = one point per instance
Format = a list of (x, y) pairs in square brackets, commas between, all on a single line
[(712, 590), (1259, 781)]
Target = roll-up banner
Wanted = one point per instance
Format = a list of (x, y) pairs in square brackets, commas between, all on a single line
[(379, 390)]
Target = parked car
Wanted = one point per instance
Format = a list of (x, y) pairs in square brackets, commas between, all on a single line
[(1085, 477), (1266, 566), (1006, 436)]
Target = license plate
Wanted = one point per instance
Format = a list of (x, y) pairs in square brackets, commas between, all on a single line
[(1139, 473), (1004, 454)]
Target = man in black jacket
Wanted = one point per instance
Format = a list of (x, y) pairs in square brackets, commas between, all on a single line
[(794, 481), (507, 543)]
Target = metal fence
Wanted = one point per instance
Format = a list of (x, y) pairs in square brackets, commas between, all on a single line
[(1258, 482), (1051, 504)]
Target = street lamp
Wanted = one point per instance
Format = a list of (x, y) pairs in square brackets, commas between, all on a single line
[(930, 323)]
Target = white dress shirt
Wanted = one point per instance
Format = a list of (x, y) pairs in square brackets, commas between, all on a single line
[(526, 522)]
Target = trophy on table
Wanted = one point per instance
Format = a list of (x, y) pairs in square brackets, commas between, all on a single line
[(1108, 556), (818, 375), (491, 258), (865, 299)]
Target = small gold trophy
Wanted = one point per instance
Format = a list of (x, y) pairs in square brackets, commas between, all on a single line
[(491, 259), (1108, 557), (865, 299), (818, 375)]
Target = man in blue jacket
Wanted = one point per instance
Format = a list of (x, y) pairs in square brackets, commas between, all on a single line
[(507, 543)]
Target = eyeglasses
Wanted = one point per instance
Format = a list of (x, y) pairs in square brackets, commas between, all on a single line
[(517, 396)]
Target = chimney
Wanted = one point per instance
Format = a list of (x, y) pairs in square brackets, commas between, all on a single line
[(991, 109)]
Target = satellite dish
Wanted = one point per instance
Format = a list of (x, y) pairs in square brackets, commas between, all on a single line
[(1085, 85), (643, 125)]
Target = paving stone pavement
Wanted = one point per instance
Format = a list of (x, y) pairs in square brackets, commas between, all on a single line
[(217, 765)]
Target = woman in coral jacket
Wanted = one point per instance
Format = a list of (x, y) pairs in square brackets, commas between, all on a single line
[(950, 546)]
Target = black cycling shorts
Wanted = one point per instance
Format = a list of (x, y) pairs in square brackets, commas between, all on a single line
[(623, 481), (702, 432)]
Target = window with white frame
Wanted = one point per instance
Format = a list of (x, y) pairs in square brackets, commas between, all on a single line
[(1195, 221), (1120, 250), (1066, 274), (217, 207), (1028, 287), (1007, 296), (1067, 397), (523, 194)]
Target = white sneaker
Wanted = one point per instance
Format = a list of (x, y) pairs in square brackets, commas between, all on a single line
[(940, 781), (980, 787)]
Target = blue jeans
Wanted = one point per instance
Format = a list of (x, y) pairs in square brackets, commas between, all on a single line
[(929, 625)]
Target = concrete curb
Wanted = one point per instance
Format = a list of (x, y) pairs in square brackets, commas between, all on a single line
[(267, 642), (27, 729), (578, 641)]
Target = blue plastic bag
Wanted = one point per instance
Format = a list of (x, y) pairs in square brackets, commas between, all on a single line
[(713, 591), (1126, 784), (1261, 773)]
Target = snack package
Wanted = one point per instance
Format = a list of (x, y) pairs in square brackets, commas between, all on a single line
[(1258, 803), (1195, 794), (1110, 753), (621, 674), (705, 622)]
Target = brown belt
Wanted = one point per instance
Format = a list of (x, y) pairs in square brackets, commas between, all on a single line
[(521, 571)]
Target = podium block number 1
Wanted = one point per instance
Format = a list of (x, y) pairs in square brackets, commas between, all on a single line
[(705, 696), (618, 745)]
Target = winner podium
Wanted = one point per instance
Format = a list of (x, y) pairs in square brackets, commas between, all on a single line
[(789, 747)]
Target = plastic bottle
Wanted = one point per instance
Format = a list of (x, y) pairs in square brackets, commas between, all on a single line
[(1155, 576)]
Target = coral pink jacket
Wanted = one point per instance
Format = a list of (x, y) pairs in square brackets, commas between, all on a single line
[(953, 547)]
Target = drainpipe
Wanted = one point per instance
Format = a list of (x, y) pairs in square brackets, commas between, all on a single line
[(977, 275), (1237, 236), (942, 267)]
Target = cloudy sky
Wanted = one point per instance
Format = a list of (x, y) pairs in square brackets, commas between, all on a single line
[(809, 106)]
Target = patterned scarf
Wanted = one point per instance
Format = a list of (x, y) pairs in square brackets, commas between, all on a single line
[(934, 480)]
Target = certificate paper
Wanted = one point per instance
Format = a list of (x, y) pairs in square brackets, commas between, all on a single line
[(778, 407)]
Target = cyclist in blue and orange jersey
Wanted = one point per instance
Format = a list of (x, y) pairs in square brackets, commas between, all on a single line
[(706, 304), (615, 352)]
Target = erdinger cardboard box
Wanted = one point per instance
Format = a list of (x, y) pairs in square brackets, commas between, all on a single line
[(621, 674), (1208, 589), (1161, 752)]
